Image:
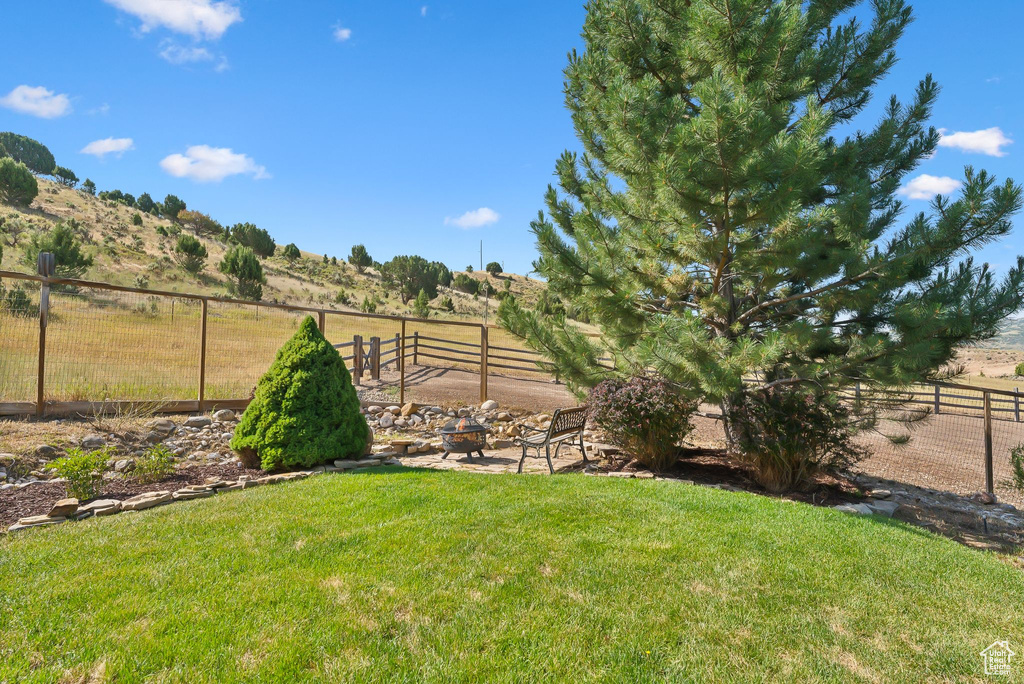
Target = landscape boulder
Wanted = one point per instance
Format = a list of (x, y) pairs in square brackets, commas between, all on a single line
[(161, 425), (92, 442)]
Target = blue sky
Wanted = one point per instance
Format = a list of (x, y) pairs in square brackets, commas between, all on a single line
[(391, 123)]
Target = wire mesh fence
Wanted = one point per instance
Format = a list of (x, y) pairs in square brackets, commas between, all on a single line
[(189, 352), (120, 346), (241, 343), (943, 438), (19, 340)]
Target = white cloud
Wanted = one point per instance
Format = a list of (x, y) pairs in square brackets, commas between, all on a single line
[(179, 55), (474, 219), (103, 109), (37, 101), (423, 11), (176, 54), (101, 148), (925, 187), (204, 164), (198, 18), (988, 141), (341, 34)]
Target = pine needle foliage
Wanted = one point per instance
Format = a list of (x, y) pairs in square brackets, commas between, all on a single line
[(730, 214), (305, 410)]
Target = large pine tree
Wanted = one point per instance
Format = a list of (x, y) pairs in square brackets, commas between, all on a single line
[(730, 216)]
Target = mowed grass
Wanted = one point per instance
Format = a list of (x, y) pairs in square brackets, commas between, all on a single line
[(401, 575)]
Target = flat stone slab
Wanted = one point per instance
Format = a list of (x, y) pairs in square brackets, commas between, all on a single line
[(886, 508), (64, 508), (147, 500), (37, 520), (854, 509), (186, 494), (101, 507)]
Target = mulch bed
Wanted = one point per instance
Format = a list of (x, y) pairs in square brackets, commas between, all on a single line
[(714, 467), (709, 466), (38, 498)]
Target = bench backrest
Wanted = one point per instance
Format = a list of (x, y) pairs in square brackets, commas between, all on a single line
[(567, 421)]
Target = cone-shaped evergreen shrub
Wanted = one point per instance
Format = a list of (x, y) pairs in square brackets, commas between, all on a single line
[(305, 410)]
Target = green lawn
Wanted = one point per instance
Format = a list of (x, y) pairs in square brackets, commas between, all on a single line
[(400, 575)]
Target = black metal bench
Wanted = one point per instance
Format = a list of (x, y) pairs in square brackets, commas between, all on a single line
[(566, 425)]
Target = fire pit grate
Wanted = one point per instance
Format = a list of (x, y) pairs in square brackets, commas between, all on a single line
[(464, 436)]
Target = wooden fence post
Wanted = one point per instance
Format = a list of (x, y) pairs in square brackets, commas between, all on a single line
[(938, 396), (416, 348), (989, 475), (375, 358), (483, 363), (202, 358), (322, 323), (401, 367), (357, 359), (44, 313), (1016, 404)]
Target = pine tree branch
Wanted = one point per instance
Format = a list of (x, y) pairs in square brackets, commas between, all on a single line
[(804, 295)]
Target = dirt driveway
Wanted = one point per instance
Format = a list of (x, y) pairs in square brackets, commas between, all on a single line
[(453, 386)]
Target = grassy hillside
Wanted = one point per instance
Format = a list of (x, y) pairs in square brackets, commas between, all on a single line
[(1011, 336), (127, 254)]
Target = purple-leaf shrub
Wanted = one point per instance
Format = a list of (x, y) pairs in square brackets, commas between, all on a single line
[(644, 415)]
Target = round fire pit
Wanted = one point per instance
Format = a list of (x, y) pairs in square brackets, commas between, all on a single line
[(463, 436)]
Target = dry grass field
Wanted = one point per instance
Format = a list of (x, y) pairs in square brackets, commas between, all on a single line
[(126, 346)]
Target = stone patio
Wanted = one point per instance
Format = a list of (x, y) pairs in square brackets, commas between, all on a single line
[(501, 461)]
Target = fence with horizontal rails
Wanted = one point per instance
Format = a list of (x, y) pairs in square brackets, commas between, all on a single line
[(76, 347), (71, 346), (945, 397)]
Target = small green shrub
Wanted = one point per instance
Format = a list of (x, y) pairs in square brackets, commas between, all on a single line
[(1017, 468), (154, 465), (421, 305), (787, 435), (305, 410), (644, 415), (17, 303), (466, 284), (137, 219), (1018, 369), (83, 471)]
